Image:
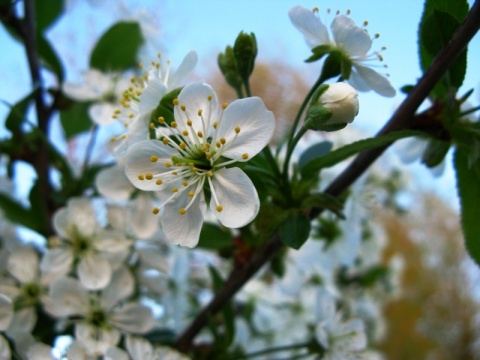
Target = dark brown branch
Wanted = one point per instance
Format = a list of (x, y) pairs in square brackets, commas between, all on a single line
[(41, 163), (402, 119)]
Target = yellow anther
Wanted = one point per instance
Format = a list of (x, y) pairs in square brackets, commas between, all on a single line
[(189, 122), (237, 129), (138, 92), (315, 9), (151, 126), (173, 124), (130, 116), (114, 116), (208, 155), (155, 211), (182, 211), (218, 144), (194, 169), (141, 177), (159, 182), (183, 107), (148, 176), (191, 193), (190, 164), (200, 111), (175, 102), (365, 23), (200, 134), (123, 137), (348, 11), (215, 124), (117, 111), (140, 65), (209, 173), (174, 190), (113, 138), (245, 156), (165, 141), (174, 172), (168, 164), (182, 145), (161, 119), (377, 35), (223, 141), (159, 54), (185, 133), (224, 105), (219, 208), (210, 97), (185, 183)]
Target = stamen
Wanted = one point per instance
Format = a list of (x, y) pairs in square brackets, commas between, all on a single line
[(182, 211), (155, 211), (219, 208), (153, 158), (149, 176), (237, 129), (141, 177)]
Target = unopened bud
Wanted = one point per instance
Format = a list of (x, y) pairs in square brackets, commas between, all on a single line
[(226, 62), (245, 52)]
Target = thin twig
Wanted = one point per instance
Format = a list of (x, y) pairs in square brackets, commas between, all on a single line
[(401, 119)]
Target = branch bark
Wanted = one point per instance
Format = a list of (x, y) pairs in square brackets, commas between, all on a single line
[(401, 119)]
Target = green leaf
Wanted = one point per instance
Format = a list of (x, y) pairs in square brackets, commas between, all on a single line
[(47, 14), (435, 152), (18, 214), (315, 151), (16, 117), (295, 229), (213, 237), (75, 119), (439, 21), (334, 157), (468, 187), (49, 57), (324, 201), (117, 49)]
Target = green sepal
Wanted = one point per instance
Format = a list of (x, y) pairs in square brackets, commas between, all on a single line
[(117, 49), (332, 127), (468, 187), (295, 229), (435, 152), (319, 52), (317, 115)]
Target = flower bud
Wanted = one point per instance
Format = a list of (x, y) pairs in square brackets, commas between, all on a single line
[(245, 52), (333, 106), (226, 62)]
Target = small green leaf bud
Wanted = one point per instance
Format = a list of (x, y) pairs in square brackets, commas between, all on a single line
[(226, 62), (245, 52)]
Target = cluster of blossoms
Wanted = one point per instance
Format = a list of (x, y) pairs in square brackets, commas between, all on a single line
[(181, 152)]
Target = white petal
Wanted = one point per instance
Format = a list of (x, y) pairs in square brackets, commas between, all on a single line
[(138, 348), (113, 184), (121, 287), (354, 334), (111, 241), (183, 70), (69, 297), (57, 260), (237, 195), (23, 321), (195, 97), (23, 264), (115, 353), (94, 271), (4, 349), (310, 26), (144, 223), (101, 113), (184, 229), (351, 38), (80, 92), (132, 318), (6, 312), (151, 96), (375, 81), (96, 340), (78, 220), (256, 125), (153, 257), (138, 162), (40, 351)]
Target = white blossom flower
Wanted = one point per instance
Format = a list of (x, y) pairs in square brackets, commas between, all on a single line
[(193, 152), (342, 100), (353, 41), (104, 316), (341, 340), (82, 237), (104, 89)]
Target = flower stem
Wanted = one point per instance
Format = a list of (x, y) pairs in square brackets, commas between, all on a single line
[(290, 148)]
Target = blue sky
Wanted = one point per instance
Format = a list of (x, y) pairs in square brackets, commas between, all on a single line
[(208, 26)]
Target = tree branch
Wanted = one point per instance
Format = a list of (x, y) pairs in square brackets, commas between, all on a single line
[(401, 119)]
